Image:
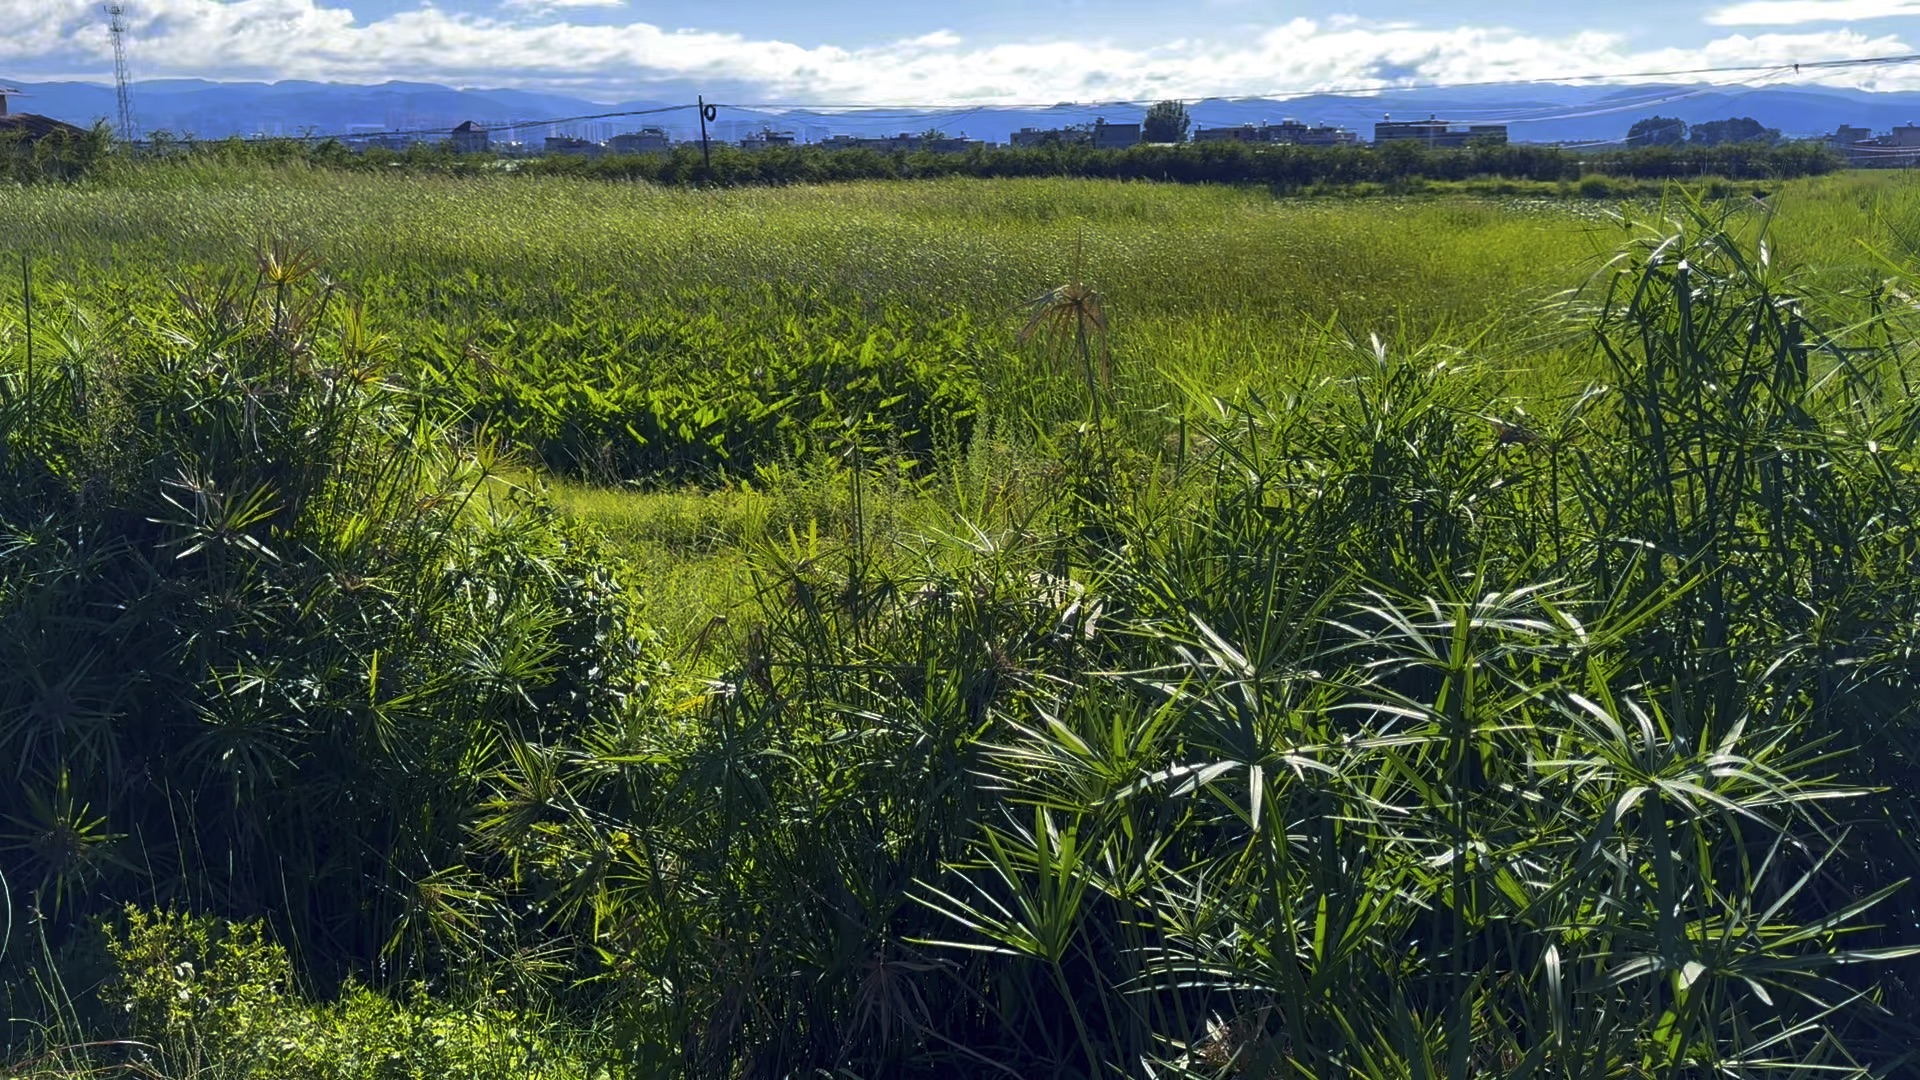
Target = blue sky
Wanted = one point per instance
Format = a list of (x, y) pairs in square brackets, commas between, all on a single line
[(1003, 51)]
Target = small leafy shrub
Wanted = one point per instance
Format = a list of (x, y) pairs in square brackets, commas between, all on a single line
[(205, 998)]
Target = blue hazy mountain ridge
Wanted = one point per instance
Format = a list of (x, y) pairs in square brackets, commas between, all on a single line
[(1535, 112)]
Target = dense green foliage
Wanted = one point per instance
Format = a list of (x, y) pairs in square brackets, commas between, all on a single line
[(1657, 131), (1284, 167), (59, 155), (257, 601), (1739, 129), (670, 398), (219, 998), (1721, 151), (1160, 678)]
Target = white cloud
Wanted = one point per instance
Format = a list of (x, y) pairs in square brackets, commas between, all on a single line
[(939, 39), (547, 7), (315, 39), (1800, 12)]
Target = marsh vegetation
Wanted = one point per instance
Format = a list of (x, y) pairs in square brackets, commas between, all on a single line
[(537, 626)]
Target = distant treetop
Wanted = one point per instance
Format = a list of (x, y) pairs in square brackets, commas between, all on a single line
[(1166, 122), (1744, 129), (1657, 131)]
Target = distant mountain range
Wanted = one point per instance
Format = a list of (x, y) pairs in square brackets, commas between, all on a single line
[(1536, 113)]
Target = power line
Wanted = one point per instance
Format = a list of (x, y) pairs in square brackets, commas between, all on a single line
[(582, 119), (504, 126), (1634, 106), (1531, 114), (1884, 151)]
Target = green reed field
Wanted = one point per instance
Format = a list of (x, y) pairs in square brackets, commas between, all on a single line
[(551, 627)]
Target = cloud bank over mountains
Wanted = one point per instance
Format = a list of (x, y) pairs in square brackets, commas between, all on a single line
[(569, 46), (1801, 12)]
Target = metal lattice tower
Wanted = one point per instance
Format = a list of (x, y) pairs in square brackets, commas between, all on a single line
[(117, 28)]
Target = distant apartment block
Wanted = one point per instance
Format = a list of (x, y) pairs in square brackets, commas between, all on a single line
[(1327, 135), (959, 145), (1437, 134), (569, 144), (900, 144), (767, 140), (1115, 136), (1028, 137), (1100, 135), (1288, 132), (469, 138), (1899, 148), (885, 144), (650, 140), (363, 140), (1245, 133)]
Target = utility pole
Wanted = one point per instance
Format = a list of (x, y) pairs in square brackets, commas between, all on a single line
[(707, 112), (117, 28)]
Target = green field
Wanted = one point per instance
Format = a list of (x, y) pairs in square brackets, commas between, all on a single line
[(544, 626)]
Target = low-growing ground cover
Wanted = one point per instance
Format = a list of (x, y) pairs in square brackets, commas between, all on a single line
[(737, 633)]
